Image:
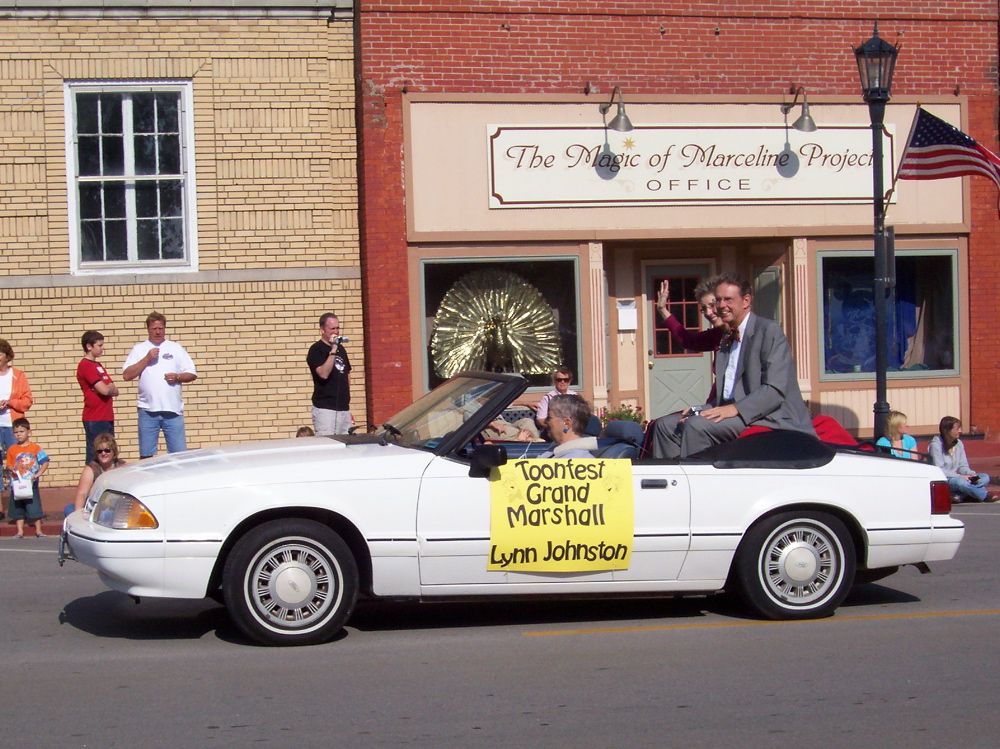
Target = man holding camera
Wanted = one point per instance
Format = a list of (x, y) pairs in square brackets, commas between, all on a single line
[(330, 367)]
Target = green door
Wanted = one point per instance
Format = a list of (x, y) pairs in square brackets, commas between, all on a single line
[(677, 378)]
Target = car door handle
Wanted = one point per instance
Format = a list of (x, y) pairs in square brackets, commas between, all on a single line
[(654, 484)]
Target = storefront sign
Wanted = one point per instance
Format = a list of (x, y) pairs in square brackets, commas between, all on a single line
[(571, 515), (553, 166)]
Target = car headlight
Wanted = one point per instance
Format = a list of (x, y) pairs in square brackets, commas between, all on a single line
[(123, 512)]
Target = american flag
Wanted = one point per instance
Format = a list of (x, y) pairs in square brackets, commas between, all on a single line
[(937, 150)]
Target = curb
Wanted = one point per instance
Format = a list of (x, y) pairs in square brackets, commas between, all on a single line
[(50, 527), (54, 501)]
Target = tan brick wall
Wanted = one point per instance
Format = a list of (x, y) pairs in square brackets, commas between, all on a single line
[(276, 177), (248, 342)]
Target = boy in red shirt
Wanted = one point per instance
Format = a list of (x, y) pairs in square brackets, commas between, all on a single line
[(98, 392)]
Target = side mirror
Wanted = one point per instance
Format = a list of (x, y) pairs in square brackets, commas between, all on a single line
[(485, 458)]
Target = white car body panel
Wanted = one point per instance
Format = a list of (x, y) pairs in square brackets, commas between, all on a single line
[(439, 545), (424, 523)]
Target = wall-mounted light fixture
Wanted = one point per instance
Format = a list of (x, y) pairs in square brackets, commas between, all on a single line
[(621, 122), (805, 122)]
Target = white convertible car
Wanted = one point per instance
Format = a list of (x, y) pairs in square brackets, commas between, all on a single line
[(288, 533)]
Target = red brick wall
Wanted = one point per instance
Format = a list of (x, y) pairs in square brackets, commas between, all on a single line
[(692, 48)]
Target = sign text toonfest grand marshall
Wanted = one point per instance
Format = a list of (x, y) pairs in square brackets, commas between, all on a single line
[(554, 166), (562, 515)]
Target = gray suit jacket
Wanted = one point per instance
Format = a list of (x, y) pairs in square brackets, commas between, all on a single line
[(766, 391)]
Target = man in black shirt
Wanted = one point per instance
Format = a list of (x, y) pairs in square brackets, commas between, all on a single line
[(329, 366)]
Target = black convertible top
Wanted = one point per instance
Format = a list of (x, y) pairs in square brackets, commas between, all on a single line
[(775, 449)]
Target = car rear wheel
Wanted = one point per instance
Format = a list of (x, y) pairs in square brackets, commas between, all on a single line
[(290, 582), (796, 565)]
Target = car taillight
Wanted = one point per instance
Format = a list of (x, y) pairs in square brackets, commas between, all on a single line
[(940, 498)]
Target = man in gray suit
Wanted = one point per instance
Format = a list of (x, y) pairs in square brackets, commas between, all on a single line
[(755, 382)]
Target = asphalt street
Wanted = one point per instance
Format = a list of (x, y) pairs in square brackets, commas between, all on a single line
[(909, 661)]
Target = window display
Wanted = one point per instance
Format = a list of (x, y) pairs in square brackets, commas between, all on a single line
[(921, 317), (516, 315)]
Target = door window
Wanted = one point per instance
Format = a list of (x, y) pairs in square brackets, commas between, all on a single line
[(683, 305)]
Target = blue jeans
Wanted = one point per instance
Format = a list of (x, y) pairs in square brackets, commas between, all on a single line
[(6, 440), (90, 430), (966, 490), (150, 424)]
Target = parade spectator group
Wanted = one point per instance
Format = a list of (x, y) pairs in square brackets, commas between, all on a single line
[(161, 367)]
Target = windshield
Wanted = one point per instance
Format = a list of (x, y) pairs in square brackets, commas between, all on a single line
[(439, 413)]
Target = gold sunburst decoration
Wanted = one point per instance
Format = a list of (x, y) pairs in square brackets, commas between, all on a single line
[(494, 320)]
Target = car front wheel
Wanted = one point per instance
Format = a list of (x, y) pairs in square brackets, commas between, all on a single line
[(796, 565), (290, 582)]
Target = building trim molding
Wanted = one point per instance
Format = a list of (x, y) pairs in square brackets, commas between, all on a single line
[(332, 10), (339, 273)]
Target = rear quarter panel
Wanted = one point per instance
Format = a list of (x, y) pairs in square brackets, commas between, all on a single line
[(887, 501)]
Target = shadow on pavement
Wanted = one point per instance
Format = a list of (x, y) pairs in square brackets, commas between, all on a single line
[(874, 594), (371, 616), (115, 615)]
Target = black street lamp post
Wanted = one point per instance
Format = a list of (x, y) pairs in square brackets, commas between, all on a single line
[(876, 60)]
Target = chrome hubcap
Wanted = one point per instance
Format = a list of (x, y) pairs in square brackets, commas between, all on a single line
[(800, 564), (292, 584)]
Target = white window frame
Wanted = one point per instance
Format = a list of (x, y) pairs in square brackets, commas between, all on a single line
[(186, 120)]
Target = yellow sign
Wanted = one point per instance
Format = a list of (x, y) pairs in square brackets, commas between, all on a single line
[(570, 515)]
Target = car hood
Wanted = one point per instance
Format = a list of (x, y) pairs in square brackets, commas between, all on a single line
[(286, 462)]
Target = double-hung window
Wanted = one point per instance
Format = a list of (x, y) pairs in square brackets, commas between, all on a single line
[(132, 181)]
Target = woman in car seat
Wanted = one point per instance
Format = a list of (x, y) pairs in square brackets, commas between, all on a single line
[(567, 421)]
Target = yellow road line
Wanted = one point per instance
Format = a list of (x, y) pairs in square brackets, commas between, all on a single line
[(714, 625)]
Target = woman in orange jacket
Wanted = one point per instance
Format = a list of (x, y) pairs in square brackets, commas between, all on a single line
[(15, 397)]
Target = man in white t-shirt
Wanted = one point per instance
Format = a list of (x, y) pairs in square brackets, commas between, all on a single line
[(162, 366)]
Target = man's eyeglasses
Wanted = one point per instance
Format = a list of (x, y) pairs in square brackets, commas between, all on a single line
[(563, 379)]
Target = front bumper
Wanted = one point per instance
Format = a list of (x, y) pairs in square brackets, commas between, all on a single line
[(140, 563)]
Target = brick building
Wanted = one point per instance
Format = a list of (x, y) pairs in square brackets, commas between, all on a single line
[(188, 158), (484, 148)]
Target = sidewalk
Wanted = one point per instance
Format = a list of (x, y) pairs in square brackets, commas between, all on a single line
[(984, 457), (54, 501)]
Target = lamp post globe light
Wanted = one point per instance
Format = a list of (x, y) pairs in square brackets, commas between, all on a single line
[(876, 60)]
